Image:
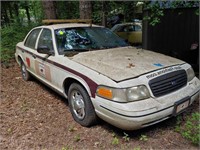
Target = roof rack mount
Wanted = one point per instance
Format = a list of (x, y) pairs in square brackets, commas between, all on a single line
[(57, 21)]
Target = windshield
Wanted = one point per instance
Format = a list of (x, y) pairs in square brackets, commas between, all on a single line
[(86, 39)]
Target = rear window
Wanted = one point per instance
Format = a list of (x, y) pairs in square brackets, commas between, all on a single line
[(31, 39)]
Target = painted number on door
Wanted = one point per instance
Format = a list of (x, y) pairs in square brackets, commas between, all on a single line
[(43, 70)]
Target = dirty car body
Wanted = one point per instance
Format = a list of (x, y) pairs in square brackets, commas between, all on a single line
[(103, 77)]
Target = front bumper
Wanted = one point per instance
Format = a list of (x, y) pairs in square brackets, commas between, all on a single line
[(139, 114)]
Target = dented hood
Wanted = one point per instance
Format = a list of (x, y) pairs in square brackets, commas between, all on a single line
[(124, 63)]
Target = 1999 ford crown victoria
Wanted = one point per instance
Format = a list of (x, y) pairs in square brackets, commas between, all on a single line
[(103, 77)]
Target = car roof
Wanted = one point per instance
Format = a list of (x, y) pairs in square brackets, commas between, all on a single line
[(68, 25)]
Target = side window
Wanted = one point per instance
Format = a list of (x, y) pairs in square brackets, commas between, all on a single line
[(120, 29), (137, 28), (126, 28), (131, 28), (123, 29), (46, 39), (31, 39)]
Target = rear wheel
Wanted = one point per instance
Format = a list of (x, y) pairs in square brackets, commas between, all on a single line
[(25, 74), (81, 106)]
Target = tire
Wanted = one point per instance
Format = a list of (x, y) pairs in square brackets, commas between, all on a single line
[(25, 74), (81, 106)]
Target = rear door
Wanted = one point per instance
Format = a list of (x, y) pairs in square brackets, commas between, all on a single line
[(29, 49)]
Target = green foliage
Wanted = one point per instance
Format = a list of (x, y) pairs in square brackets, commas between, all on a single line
[(126, 137), (190, 128), (11, 36), (143, 138), (67, 9), (115, 141), (77, 138), (186, 4), (137, 148), (197, 12), (155, 13), (156, 9), (36, 10), (66, 148), (72, 129), (97, 14), (129, 8)]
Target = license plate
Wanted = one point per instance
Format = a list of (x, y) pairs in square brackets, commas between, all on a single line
[(181, 106)]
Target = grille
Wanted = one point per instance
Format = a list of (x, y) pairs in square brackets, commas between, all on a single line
[(168, 83)]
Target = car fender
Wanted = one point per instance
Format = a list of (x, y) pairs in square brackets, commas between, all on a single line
[(78, 80)]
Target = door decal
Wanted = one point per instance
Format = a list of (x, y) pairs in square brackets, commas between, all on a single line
[(43, 70)]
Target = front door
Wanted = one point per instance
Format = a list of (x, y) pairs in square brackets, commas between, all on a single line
[(42, 66)]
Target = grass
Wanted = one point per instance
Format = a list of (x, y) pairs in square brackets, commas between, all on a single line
[(190, 128), (143, 138)]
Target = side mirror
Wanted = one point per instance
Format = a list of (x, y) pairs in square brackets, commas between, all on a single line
[(44, 50)]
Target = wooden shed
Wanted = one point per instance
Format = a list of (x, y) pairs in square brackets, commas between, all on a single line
[(174, 35)]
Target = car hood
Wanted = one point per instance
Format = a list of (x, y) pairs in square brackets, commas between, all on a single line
[(124, 63)]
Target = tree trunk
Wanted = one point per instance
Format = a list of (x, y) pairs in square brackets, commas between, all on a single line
[(10, 10), (104, 17), (85, 8), (49, 9), (16, 8), (5, 14), (27, 11)]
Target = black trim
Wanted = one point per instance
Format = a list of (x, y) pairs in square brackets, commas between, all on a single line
[(137, 116), (168, 82), (176, 104), (195, 93)]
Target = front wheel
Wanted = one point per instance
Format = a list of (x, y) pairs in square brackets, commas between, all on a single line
[(25, 74), (81, 106)]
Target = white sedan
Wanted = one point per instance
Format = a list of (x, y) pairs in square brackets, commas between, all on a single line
[(103, 77)]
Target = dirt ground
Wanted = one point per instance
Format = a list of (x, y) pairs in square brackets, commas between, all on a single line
[(34, 117)]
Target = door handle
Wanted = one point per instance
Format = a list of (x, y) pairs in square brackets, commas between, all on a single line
[(33, 56)]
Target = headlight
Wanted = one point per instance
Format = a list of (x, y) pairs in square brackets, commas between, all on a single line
[(137, 93), (111, 93), (123, 95), (190, 74)]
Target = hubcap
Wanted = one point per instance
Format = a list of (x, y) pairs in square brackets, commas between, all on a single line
[(78, 105), (23, 70)]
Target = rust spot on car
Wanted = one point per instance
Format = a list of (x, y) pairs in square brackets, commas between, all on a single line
[(130, 65)]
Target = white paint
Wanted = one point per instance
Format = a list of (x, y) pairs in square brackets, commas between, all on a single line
[(124, 63)]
